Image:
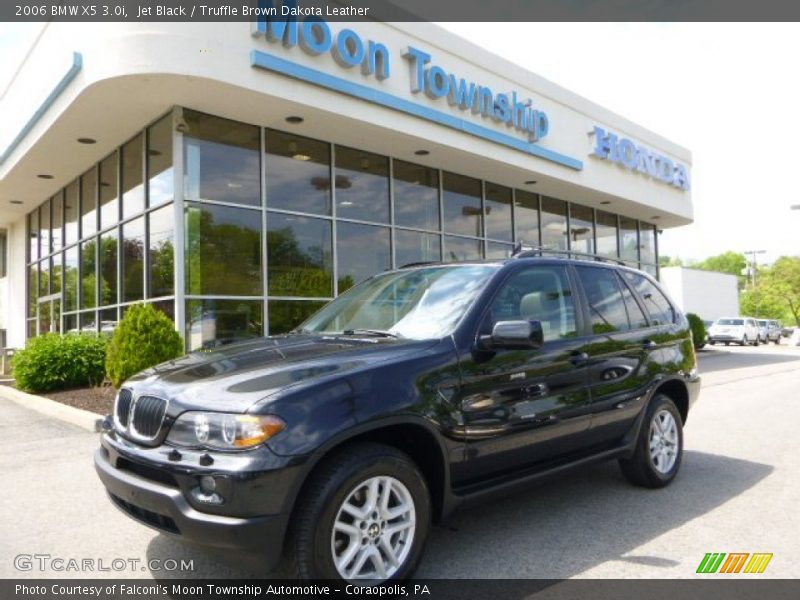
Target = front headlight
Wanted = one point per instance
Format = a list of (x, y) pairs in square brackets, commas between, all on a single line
[(223, 431)]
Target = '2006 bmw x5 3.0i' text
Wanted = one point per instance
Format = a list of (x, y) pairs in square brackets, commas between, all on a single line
[(335, 446)]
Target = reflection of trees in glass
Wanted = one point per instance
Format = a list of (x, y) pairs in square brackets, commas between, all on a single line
[(162, 268), (285, 315), (294, 271), (108, 269), (223, 257), (33, 290), (133, 268), (88, 274), (71, 279)]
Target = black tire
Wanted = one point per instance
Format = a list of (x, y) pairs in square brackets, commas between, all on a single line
[(757, 343), (778, 341), (727, 343), (639, 468), (712, 342), (744, 341), (309, 553)]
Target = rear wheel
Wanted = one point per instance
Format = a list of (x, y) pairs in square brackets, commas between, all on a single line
[(778, 341), (757, 342), (365, 517), (659, 448), (744, 341)]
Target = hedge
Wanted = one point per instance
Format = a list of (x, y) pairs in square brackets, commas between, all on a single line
[(52, 362)]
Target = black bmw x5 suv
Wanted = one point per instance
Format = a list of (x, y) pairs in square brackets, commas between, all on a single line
[(334, 447)]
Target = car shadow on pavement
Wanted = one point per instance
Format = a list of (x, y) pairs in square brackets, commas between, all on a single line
[(556, 530), (710, 363)]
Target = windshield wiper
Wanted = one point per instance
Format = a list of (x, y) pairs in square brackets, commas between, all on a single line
[(379, 332)]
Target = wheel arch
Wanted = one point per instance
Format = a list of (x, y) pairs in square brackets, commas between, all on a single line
[(414, 436), (678, 393)]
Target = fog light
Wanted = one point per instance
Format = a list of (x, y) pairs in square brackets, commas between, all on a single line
[(210, 498), (207, 484)]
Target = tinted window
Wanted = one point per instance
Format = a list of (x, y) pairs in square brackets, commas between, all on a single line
[(109, 208), (661, 311), (221, 160), (462, 205), (554, 223), (355, 265), (497, 210), (416, 195), (298, 173), (132, 177), (635, 314), (362, 185), (159, 162), (526, 217), (223, 250), (604, 297), (300, 256), (581, 229), (414, 246), (537, 294)]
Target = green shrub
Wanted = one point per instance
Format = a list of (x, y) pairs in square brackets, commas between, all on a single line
[(144, 338), (54, 362), (698, 330)]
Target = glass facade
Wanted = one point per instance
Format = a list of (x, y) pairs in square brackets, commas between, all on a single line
[(253, 229)]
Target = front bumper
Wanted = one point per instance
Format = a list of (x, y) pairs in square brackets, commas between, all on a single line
[(724, 338), (157, 496)]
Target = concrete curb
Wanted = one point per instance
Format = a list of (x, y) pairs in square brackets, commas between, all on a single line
[(69, 414)]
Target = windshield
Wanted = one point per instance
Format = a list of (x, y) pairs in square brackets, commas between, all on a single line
[(730, 322), (419, 304)]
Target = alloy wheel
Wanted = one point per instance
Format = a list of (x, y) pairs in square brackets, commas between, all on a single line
[(664, 441), (374, 530)]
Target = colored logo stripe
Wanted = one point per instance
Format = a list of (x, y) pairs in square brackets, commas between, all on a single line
[(734, 562), (758, 563), (713, 562)]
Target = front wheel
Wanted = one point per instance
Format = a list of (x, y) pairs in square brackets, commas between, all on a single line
[(757, 342), (659, 448), (744, 341), (778, 341), (364, 517)]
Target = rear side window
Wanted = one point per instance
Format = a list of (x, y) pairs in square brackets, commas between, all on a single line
[(604, 296), (661, 311)]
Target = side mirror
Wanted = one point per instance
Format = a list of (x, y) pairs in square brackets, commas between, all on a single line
[(514, 335)]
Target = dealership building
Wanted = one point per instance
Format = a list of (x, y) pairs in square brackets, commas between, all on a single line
[(239, 175)]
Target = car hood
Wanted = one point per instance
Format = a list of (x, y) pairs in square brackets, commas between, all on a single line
[(234, 377)]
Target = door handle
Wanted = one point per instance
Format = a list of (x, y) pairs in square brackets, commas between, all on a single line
[(649, 345), (579, 358)]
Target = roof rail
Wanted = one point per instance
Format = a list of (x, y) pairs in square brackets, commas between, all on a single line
[(418, 264), (523, 252)]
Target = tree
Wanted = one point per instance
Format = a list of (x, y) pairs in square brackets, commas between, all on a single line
[(784, 283), (670, 261), (727, 262)]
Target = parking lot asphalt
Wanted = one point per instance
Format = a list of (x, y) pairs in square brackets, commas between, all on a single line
[(738, 491)]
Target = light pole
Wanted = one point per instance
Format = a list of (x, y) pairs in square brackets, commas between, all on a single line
[(753, 271)]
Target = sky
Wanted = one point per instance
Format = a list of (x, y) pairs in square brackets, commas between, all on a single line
[(728, 92)]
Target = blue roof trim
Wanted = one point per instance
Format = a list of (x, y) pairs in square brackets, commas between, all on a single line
[(269, 62), (74, 69)]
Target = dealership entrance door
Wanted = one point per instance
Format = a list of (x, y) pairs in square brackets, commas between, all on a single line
[(50, 314)]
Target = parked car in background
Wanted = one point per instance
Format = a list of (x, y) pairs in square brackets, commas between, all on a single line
[(772, 331), (762, 330), (787, 331), (739, 330)]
